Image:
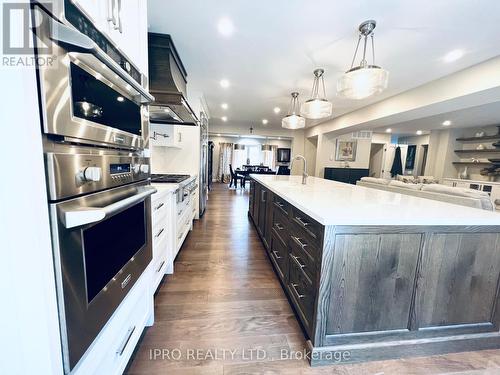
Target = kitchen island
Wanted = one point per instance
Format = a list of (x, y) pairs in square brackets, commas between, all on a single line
[(376, 275)]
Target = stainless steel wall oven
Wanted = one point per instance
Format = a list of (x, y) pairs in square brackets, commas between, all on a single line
[(95, 126)]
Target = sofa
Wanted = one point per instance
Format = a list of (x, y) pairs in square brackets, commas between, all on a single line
[(443, 193)]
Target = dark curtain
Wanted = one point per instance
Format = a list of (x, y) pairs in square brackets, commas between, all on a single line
[(397, 164)]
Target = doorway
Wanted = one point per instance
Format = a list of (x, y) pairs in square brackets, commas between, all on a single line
[(424, 150), (310, 150), (376, 160)]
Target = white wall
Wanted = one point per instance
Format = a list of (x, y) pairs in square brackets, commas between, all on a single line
[(185, 160), (30, 342)]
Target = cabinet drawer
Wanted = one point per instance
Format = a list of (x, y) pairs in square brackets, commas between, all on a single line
[(309, 225), (159, 232), (281, 204), (280, 225), (279, 256), (304, 241), (302, 293), (303, 260)]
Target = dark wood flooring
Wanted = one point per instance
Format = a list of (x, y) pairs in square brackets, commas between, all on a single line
[(224, 312)]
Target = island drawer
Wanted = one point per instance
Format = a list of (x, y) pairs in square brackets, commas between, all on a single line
[(302, 292), (303, 260), (281, 204), (311, 226), (279, 256), (305, 242), (280, 225)]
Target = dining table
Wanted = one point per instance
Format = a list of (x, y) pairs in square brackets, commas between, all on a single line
[(246, 172)]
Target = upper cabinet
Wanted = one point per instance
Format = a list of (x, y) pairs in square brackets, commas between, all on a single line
[(125, 23)]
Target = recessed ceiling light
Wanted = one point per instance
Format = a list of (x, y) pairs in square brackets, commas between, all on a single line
[(388, 130), (120, 98), (166, 110), (279, 137), (419, 132), (224, 118), (264, 121), (225, 26), (453, 55), (218, 135), (224, 83), (224, 106), (447, 123), (277, 110)]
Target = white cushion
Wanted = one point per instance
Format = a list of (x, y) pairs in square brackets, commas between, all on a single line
[(462, 192), (374, 180), (407, 179), (427, 180), (401, 184)]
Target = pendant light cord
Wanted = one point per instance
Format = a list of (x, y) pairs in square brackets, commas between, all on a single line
[(373, 50), (356, 51)]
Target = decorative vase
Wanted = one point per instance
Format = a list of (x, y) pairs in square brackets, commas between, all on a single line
[(463, 175)]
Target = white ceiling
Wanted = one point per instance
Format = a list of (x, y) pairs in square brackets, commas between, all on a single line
[(276, 45), (479, 116)]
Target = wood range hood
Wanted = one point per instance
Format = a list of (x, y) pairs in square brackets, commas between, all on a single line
[(167, 82)]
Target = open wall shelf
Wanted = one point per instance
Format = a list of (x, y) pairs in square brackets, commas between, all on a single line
[(484, 151), (479, 139)]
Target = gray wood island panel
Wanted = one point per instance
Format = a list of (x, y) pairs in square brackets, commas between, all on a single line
[(372, 292)]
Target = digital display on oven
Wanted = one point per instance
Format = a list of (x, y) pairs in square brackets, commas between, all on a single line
[(119, 168)]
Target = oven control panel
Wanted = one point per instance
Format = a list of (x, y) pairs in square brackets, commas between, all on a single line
[(75, 174)]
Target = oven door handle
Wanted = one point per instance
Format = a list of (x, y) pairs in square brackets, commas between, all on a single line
[(74, 41), (88, 215)]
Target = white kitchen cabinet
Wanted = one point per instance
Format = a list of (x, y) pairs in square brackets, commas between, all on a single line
[(125, 23), (162, 212), (176, 136)]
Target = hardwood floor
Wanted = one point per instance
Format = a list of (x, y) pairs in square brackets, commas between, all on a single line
[(224, 312)]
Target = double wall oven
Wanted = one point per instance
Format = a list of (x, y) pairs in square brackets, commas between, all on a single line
[(95, 130)]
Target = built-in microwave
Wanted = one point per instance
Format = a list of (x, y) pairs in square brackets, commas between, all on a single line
[(91, 93)]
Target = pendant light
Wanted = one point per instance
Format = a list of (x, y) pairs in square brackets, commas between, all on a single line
[(239, 147), (266, 146), (293, 120), (317, 107), (364, 80)]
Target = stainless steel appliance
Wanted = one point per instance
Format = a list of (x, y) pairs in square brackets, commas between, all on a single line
[(99, 203), (186, 184), (203, 163), (91, 93), (95, 125)]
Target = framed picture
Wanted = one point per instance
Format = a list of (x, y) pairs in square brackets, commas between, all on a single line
[(345, 150), (283, 155)]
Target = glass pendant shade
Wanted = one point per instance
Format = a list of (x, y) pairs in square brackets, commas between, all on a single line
[(292, 120), (362, 82), (238, 146), (318, 106)]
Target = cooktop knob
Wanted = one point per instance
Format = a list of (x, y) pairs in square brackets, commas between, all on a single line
[(92, 174), (145, 168)]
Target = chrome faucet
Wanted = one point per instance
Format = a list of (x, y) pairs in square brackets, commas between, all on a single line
[(304, 172)]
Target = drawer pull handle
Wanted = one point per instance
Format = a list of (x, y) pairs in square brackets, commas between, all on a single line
[(126, 341), (159, 206), (161, 265), (180, 236), (126, 281), (159, 233), (279, 226), (280, 205), (276, 254), (296, 259), (302, 221), (299, 242), (294, 286)]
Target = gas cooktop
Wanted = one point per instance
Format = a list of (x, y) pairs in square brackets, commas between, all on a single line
[(172, 178)]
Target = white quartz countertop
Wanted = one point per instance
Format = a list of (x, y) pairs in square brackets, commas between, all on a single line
[(335, 203), (165, 186)]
